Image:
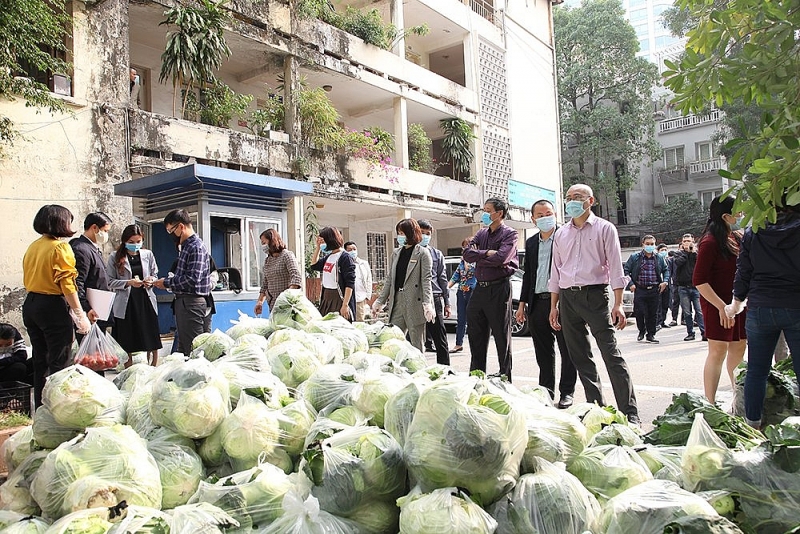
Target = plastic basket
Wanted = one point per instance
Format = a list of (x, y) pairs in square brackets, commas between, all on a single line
[(15, 397)]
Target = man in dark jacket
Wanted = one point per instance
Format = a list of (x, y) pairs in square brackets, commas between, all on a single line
[(534, 307), (441, 296), (649, 278), (674, 298), (89, 260), (685, 260), (14, 363)]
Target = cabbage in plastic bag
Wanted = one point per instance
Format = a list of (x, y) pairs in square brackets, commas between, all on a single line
[(302, 515), (553, 435), (250, 326), (443, 511), (79, 397), (212, 345), (191, 398), (292, 362), (18, 447), (247, 356), (464, 436), (608, 470), (180, 469), (373, 392), (404, 354), (90, 521), (352, 339), (293, 310), (616, 434), (134, 376), (331, 384), (399, 409), (250, 430), (295, 422), (15, 492), (663, 462), (595, 417), (648, 507), (378, 333), (263, 385), (47, 433), (26, 524)]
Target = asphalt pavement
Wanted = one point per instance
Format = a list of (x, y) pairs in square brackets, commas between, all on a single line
[(659, 371)]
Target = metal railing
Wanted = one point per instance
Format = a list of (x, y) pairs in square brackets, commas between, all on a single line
[(484, 8), (688, 121), (697, 167), (675, 174)]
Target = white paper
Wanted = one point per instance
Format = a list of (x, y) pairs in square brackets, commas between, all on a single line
[(101, 302)]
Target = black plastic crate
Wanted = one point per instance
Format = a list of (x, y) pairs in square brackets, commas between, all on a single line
[(15, 397)]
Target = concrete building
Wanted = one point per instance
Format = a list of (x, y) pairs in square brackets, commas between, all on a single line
[(487, 62)]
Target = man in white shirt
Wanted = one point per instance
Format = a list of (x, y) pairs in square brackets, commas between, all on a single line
[(363, 281)]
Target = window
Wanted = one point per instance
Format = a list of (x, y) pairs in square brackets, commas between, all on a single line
[(673, 198), (644, 44), (641, 29), (705, 151), (144, 100), (707, 196), (673, 158), (638, 14), (57, 82), (376, 255), (665, 40), (255, 256)]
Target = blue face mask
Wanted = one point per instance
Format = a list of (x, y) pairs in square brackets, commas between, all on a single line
[(133, 247), (486, 219), (574, 208), (426, 239), (353, 254), (663, 253), (547, 223), (738, 224), (401, 240), (649, 248), (323, 247)]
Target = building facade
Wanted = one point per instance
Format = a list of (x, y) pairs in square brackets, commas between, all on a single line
[(488, 63)]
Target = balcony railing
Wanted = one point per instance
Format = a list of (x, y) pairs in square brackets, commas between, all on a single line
[(673, 175), (486, 9), (697, 167), (688, 121)]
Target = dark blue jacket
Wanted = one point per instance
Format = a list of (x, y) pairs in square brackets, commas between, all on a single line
[(768, 266), (438, 275), (634, 263), (531, 265)]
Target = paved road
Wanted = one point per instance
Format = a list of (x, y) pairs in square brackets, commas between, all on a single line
[(658, 371)]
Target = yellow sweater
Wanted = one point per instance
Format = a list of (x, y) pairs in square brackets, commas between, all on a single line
[(48, 267)]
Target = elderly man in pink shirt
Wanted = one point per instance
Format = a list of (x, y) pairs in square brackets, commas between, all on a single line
[(586, 259)]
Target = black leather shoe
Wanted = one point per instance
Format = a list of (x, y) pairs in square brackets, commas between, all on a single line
[(565, 402), (652, 339), (665, 325), (690, 337), (430, 349), (640, 337), (673, 323)]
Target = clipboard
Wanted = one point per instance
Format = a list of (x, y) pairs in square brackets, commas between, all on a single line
[(101, 302)]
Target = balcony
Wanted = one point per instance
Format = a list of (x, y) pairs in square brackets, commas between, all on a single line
[(486, 9), (700, 167), (689, 121), (673, 175)]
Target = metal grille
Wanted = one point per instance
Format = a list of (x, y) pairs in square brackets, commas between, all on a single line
[(493, 88), (376, 255)]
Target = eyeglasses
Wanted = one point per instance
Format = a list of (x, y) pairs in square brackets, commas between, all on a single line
[(170, 230), (579, 199)]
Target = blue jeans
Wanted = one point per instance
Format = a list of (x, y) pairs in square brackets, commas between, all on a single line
[(690, 296), (764, 326), (462, 299)]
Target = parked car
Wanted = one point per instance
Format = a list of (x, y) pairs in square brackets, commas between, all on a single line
[(517, 329)]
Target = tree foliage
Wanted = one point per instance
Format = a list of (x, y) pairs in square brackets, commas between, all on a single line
[(27, 29), (604, 98), (680, 215), (747, 50)]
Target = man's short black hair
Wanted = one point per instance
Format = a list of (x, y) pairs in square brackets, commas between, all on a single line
[(424, 224), (7, 331), (348, 244), (542, 201), (53, 220), (178, 216), (498, 205), (98, 217)]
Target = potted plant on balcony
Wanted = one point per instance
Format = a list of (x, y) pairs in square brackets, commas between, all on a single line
[(420, 157), (457, 147), (218, 105)]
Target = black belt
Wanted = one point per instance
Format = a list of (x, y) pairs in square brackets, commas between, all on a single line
[(189, 296), (583, 288), (542, 296), (493, 282), (646, 287)]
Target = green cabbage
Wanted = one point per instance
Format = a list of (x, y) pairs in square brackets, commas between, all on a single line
[(211, 345), (79, 397), (443, 510), (292, 362), (250, 326), (330, 385), (201, 518), (295, 422), (15, 493), (352, 339), (399, 409), (595, 417), (616, 434), (608, 470), (180, 469), (264, 385), (404, 354), (553, 435), (378, 333), (18, 447), (302, 515), (373, 392), (25, 525), (293, 310), (47, 433), (134, 376), (250, 430), (93, 521)]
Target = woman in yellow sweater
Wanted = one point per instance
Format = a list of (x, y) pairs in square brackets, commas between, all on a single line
[(52, 304)]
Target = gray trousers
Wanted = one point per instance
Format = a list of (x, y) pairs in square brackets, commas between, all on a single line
[(589, 306), (192, 318)]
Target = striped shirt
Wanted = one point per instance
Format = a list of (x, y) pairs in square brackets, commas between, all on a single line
[(193, 272)]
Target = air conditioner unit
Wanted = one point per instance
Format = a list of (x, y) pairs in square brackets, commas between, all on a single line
[(62, 85)]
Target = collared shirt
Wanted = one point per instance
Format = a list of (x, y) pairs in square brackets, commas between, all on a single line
[(279, 273), (464, 276), (499, 265), (587, 256), (543, 269), (363, 280), (647, 271), (193, 272), (48, 267)]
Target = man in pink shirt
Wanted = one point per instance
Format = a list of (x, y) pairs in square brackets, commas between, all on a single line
[(586, 259)]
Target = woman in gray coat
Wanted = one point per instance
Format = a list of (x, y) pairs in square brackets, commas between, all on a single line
[(131, 271), (407, 288)]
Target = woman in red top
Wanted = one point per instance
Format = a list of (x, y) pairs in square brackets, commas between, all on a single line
[(713, 277)]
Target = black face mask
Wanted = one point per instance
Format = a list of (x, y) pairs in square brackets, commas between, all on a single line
[(176, 238)]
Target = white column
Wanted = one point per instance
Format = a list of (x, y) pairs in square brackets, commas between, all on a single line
[(295, 233), (396, 11), (401, 131)]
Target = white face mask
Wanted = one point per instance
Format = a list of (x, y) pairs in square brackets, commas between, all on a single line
[(101, 238), (265, 248)]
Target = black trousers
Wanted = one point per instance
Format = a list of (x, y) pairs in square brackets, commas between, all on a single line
[(544, 344), (577, 309), (645, 308), (489, 314), (663, 306), (437, 333), (674, 301), (51, 333), (192, 318)]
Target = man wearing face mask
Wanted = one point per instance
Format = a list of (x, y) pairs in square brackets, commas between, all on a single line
[(493, 250), (363, 281), (666, 295), (89, 260), (441, 297), (535, 297), (586, 259), (191, 282), (649, 278)]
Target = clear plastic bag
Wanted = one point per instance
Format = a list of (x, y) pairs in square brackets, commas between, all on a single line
[(443, 511), (302, 515), (608, 470), (79, 397), (99, 352), (181, 471), (15, 492), (24, 525), (211, 345), (18, 447), (330, 385), (252, 429), (47, 433), (292, 362)]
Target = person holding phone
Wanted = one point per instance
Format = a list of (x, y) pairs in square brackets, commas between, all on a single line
[(685, 261)]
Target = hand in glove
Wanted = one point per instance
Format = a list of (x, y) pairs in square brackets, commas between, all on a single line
[(376, 307), (81, 321), (429, 312), (735, 308)]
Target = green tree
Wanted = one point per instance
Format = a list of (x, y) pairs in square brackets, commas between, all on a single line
[(604, 98), (680, 215), (748, 51), (27, 29)]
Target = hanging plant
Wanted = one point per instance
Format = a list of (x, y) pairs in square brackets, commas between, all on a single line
[(196, 48), (420, 157), (457, 147)]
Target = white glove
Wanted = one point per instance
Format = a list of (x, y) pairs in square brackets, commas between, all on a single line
[(376, 307), (429, 312), (735, 308), (80, 320)]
